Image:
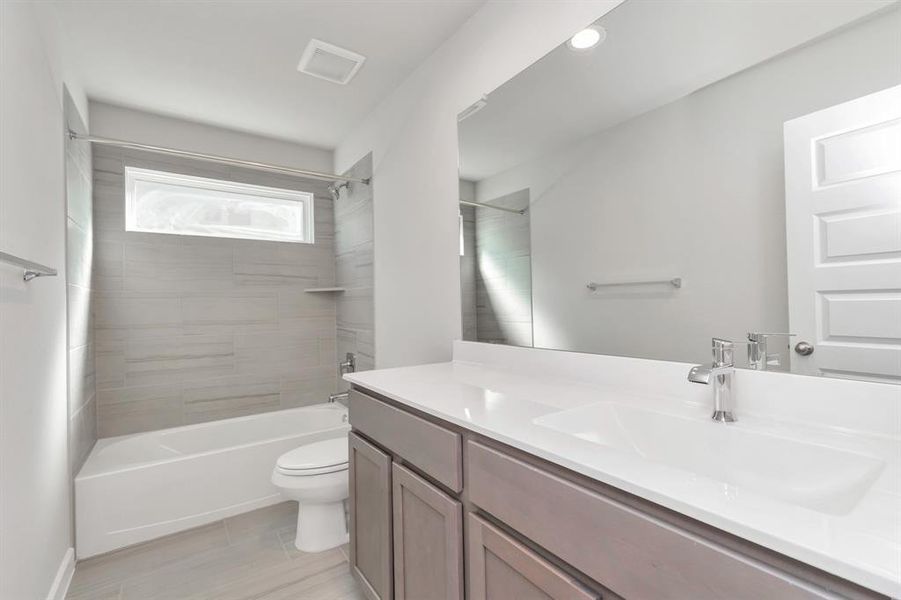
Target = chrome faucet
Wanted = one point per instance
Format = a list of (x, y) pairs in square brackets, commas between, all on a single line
[(349, 364), (758, 356), (720, 373), (339, 397)]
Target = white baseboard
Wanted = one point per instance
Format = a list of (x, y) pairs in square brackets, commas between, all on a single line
[(63, 578)]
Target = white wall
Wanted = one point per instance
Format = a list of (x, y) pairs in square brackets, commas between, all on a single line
[(34, 472), (158, 130), (693, 189), (413, 138)]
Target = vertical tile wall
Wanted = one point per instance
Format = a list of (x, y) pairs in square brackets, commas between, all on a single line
[(504, 272), (354, 256), (468, 274), (192, 329), (79, 260)]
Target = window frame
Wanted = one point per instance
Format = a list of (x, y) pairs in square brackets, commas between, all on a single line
[(134, 174)]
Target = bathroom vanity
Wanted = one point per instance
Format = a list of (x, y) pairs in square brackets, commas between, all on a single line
[(670, 196), (520, 473)]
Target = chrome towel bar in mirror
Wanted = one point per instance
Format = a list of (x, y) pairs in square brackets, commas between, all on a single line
[(676, 282), (32, 269)]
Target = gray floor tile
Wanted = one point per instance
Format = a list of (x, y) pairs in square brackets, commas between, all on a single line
[(143, 559), (249, 556)]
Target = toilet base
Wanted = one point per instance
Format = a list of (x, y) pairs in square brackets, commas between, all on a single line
[(321, 527)]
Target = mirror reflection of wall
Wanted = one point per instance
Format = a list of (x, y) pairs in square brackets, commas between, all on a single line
[(495, 268), (660, 153)]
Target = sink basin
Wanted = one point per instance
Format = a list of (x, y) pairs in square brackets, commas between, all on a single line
[(818, 477)]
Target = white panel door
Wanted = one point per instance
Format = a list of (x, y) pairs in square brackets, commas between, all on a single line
[(843, 220)]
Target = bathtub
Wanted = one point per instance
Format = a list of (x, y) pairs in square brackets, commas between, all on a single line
[(138, 487)]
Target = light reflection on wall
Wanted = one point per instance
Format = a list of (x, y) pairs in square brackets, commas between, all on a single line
[(505, 311), (504, 272)]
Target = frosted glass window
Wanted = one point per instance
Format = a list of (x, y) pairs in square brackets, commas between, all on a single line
[(160, 202)]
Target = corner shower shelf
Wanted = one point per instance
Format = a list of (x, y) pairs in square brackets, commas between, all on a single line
[(325, 290), (32, 269)]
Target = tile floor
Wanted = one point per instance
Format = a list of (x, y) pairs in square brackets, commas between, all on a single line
[(250, 556)]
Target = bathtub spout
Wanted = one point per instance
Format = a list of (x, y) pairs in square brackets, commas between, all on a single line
[(339, 397)]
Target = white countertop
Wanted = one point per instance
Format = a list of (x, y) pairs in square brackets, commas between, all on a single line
[(498, 392)]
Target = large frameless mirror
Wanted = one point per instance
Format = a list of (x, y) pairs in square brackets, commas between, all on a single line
[(690, 169)]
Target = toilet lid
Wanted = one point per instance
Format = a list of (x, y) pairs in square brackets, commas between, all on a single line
[(317, 458)]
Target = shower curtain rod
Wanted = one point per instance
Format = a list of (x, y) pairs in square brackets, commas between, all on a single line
[(519, 211), (217, 159)]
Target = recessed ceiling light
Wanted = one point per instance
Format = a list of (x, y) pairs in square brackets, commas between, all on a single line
[(588, 38)]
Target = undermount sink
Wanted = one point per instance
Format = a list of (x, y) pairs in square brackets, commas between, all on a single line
[(822, 478)]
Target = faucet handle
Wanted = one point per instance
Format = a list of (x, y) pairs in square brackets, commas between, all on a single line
[(758, 356), (722, 344), (349, 365), (758, 336), (723, 352)]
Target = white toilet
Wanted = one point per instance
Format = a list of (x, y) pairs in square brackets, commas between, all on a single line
[(315, 475)]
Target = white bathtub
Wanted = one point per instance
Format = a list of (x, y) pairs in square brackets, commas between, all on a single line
[(138, 487)]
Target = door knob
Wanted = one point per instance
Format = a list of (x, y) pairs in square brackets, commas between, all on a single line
[(804, 348)]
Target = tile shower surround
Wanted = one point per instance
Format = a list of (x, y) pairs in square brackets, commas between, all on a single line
[(82, 393), (354, 259), (468, 274), (495, 273), (190, 329)]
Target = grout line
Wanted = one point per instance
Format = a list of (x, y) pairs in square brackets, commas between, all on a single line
[(284, 546), (228, 537)]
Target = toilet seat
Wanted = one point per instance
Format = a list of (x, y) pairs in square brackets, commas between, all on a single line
[(318, 458)]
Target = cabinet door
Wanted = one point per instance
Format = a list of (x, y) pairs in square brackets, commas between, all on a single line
[(428, 540), (370, 518), (501, 568)]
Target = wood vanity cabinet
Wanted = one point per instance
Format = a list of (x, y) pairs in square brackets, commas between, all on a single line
[(369, 470), (529, 529), (428, 539), (411, 521), (501, 567)]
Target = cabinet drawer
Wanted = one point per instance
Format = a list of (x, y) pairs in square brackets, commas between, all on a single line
[(501, 568), (433, 449), (631, 553)]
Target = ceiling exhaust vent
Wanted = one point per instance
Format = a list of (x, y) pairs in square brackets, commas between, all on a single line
[(327, 61)]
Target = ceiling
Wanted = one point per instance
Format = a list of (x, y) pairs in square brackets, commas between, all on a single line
[(234, 63), (656, 51)]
